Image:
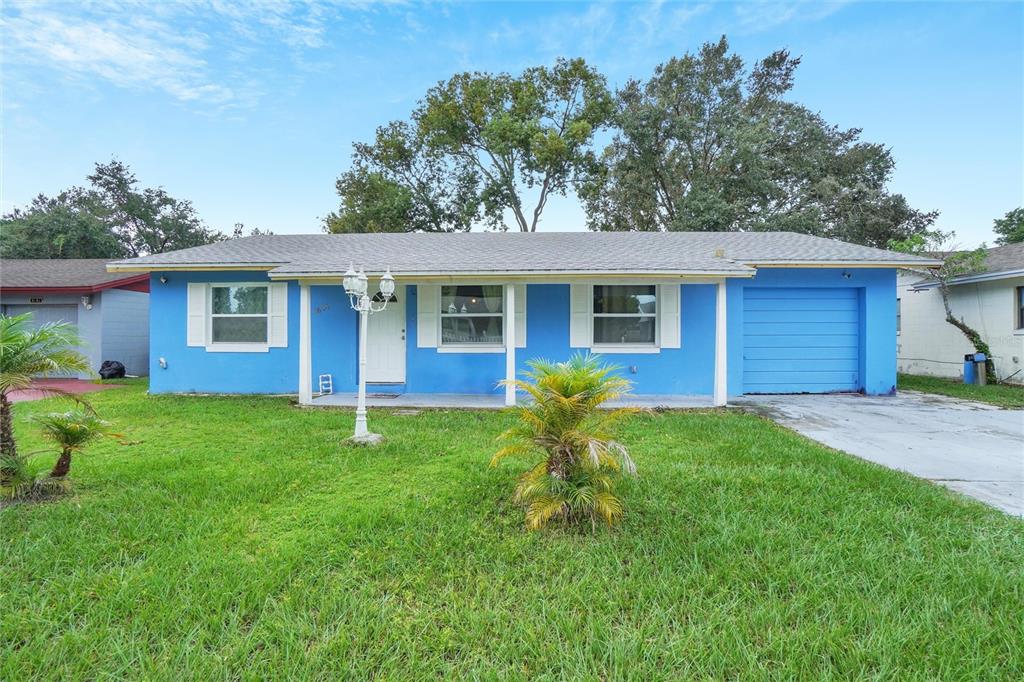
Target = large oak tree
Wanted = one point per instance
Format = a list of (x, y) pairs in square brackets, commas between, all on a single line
[(112, 218), (709, 144), (480, 148)]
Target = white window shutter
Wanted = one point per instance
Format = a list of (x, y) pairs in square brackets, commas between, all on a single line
[(580, 302), (196, 332), (520, 315), (428, 308), (668, 315), (277, 300)]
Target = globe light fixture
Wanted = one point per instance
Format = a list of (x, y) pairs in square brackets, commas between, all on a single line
[(356, 286)]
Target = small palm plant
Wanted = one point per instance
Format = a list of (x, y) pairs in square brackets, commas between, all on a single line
[(575, 482), (26, 352), (72, 431)]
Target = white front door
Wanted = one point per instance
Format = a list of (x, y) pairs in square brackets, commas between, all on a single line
[(385, 342)]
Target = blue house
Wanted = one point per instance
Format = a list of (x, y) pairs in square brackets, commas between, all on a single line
[(682, 313)]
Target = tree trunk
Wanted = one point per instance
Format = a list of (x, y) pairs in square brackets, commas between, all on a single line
[(974, 337), (556, 465), (7, 446), (8, 451), (63, 465)]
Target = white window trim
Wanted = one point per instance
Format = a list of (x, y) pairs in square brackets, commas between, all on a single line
[(626, 348), (233, 346), (443, 347)]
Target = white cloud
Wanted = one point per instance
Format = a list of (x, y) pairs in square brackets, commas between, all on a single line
[(163, 46), (760, 16)]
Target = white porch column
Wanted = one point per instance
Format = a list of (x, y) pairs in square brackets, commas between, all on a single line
[(305, 348), (721, 379), (510, 343)]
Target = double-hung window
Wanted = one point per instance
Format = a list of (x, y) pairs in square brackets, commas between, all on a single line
[(1019, 308), (238, 313), (625, 315), (472, 315)]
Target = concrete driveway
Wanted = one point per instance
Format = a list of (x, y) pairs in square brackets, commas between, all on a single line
[(973, 448)]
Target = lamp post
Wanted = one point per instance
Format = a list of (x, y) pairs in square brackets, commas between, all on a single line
[(356, 288)]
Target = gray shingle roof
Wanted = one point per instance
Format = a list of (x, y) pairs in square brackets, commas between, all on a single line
[(1004, 258), (53, 274), (998, 260), (513, 252)]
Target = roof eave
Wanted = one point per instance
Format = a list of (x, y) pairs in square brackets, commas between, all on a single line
[(524, 274), (791, 263), (83, 289), (972, 279)]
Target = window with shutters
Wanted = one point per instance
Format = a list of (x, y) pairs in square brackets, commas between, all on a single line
[(239, 313), (625, 315)]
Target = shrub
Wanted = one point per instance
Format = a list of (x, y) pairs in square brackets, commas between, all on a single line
[(575, 482)]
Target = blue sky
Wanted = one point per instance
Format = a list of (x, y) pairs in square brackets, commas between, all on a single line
[(249, 108)]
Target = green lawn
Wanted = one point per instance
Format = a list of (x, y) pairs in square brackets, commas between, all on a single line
[(1003, 395), (241, 539)]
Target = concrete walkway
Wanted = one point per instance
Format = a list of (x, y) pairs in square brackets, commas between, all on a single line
[(973, 448), (495, 401)]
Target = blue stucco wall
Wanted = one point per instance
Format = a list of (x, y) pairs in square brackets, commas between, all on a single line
[(688, 370), (877, 292), (193, 369)]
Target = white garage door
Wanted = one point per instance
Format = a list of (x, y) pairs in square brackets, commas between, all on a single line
[(43, 314)]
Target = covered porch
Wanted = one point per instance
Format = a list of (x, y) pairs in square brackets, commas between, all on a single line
[(496, 401), (551, 335)]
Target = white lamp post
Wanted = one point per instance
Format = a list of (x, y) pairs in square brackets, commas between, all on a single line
[(356, 288)]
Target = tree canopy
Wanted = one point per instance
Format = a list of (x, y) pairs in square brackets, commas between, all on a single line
[(112, 218), (1010, 228), (479, 148), (709, 144)]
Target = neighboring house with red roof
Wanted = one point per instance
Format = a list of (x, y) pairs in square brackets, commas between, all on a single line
[(990, 300), (110, 309)]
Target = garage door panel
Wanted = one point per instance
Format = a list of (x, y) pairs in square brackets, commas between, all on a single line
[(801, 340), (801, 329), (800, 365), (772, 293), (797, 315), (816, 377), (759, 305), (44, 314), (791, 353)]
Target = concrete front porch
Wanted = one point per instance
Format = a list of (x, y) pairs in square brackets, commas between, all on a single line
[(495, 401)]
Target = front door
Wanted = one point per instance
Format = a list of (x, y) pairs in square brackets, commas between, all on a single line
[(385, 342)]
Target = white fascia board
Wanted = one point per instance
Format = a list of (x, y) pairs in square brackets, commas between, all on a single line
[(547, 276), (158, 267), (841, 263), (981, 277)]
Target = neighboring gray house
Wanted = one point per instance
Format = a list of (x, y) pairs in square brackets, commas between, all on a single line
[(991, 301), (110, 309)]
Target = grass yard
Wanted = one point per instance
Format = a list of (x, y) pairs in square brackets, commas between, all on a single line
[(1002, 395), (240, 539)]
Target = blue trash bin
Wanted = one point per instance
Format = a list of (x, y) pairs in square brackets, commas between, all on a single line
[(969, 373)]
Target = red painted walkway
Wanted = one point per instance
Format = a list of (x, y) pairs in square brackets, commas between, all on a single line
[(69, 385)]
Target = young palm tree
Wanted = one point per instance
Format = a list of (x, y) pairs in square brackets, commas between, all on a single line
[(582, 460), (72, 431), (24, 353)]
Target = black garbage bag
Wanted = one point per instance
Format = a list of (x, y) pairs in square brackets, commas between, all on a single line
[(111, 369)]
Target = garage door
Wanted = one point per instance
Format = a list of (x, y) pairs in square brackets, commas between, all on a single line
[(42, 314), (801, 340)]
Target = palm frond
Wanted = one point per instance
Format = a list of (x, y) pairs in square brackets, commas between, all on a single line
[(565, 420)]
